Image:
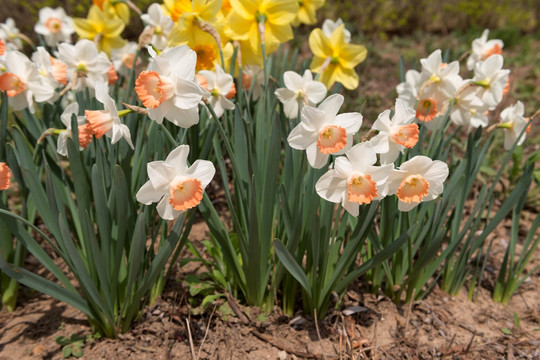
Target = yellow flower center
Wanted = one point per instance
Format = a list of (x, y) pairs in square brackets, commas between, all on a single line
[(413, 189), (362, 189)]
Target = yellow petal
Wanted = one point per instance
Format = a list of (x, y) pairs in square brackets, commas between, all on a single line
[(239, 26), (113, 28), (347, 77), (245, 8), (351, 55), (84, 28), (319, 44), (282, 12)]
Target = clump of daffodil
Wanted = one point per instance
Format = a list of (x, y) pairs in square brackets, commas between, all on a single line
[(334, 58), (114, 9), (307, 12), (104, 31), (250, 20)]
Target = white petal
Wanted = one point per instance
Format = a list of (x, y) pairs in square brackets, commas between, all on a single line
[(300, 138), (315, 158), (331, 187), (405, 207), (178, 158), (203, 170), (350, 121), (188, 94), (361, 155), (147, 194), (165, 210), (293, 81), (332, 104), (160, 174)]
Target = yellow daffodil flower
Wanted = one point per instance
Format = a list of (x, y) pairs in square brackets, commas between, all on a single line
[(307, 12), (334, 58), (105, 32), (114, 9), (189, 15), (276, 15)]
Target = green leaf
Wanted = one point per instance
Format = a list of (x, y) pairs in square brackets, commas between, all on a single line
[(66, 351), (291, 265), (506, 331)]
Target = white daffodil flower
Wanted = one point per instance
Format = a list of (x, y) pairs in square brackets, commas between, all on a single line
[(299, 91), (161, 23), (123, 58), (169, 88), (329, 26), (395, 135), (85, 130), (220, 87), (482, 48), (55, 26), (85, 66), (513, 123), (491, 79), (9, 33), (355, 180), (22, 82), (107, 122), (175, 186), (322, 132), (418, 179)]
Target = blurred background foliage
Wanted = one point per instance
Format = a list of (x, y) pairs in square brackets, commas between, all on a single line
[(382, 17)]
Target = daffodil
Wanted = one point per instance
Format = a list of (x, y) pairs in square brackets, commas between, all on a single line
[(123, 58), (10, 35), (106, 32), (174, 185), (169, 89), (482, 48), (22, 82), (299, 91), (330, 25), (307, 11), (107, 121), (417, 180), (85, 65), (355, 180), (54, 25), (188, 16), (84, 134), (274, 17), (220, 87), (491, 80), (334, 58), (395, 135), (513, 123), (114, 9), (161, 24), (322, 132)]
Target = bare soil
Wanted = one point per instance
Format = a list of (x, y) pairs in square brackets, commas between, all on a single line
[(438, 326)]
